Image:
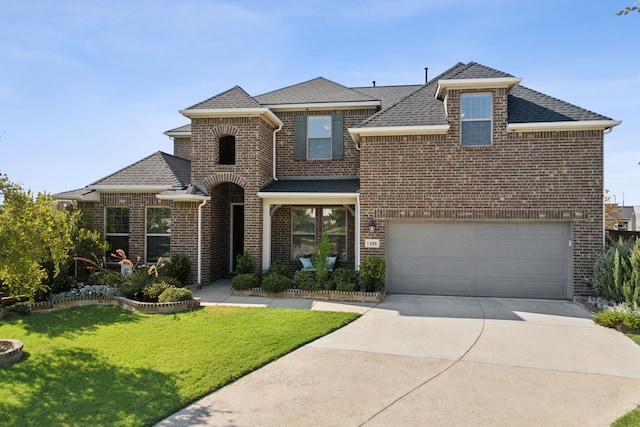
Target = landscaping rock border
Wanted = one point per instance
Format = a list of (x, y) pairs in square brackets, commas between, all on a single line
[(122, 302), (338, 296)]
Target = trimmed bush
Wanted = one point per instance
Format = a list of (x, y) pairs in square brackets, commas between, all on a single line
[(307, 281), (244, 263), (275, 283), (178, 268), (372, 272), (617, 273), (618, 320), (244, 282), (280, 269), (345, 279), (173, 294), (152, 292)]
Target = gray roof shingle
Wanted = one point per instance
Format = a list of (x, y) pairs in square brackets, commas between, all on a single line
[(312, 185), (389, 95), (158, 169), (235, 97), (318, 90)]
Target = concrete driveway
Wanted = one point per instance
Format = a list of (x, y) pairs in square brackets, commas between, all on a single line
[(438, 361)]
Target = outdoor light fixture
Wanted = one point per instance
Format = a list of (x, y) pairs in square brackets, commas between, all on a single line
[(372, 226)]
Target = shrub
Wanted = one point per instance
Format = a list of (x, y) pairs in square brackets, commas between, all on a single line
[(618, 320), (173, 294), (16, 310), (319, 259), (152, 291), (179, 268), (306, 280), (133, 283), (244, 263), (617, 273), (245, 281), (345, 279), (372, 271), (88, 291), (280, 269), (275, 283)]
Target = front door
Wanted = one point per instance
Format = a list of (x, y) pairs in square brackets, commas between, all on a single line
[(237, 233)]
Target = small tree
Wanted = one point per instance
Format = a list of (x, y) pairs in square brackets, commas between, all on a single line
[(35, 236), (319, 259)]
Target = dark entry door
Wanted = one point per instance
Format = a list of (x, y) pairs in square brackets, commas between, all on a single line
[(237, 233)]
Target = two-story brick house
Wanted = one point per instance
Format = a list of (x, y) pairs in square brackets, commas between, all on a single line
[(469, 184)]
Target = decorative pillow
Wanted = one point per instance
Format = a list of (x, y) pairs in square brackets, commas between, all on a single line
[(306, 262), (331, 262)]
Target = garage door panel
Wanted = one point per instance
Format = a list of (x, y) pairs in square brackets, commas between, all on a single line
[(511, 259)]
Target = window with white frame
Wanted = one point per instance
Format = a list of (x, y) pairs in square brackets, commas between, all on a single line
[(476, 115), (158, 233), (303, 232), (334, 224), (319, 137), (116, 230)]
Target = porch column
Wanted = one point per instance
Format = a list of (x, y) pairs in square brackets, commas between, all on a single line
[(357, 233), (266, 234)]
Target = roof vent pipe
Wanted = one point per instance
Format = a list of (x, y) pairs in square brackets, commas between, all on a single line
[(374, 83), (426, 75)]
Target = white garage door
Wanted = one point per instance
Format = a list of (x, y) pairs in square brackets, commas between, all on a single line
[(502, 259)]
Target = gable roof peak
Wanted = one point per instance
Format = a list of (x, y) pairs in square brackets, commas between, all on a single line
[(236, 97), (315, 91)]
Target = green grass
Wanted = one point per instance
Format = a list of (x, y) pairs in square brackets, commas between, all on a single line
[(106, 366), (630, 419)]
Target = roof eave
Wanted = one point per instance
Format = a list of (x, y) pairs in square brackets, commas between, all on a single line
[(293, 198), (325, 105), (130, 188), (490, 83), (233, 112), (179, 134), (358, 133), (183, 197), (563, 126)]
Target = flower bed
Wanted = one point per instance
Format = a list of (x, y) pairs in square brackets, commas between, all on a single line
[(122, 302), (321, 295)]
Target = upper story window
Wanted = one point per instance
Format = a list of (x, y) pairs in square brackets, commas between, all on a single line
[(116, 231), (319, 137), (227, 150), (476, 114)]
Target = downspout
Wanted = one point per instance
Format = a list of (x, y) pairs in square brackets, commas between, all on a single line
[(200, 206), (275, 178)]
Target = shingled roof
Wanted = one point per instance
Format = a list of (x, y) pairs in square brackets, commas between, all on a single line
[(312, 185), (318, 90), (157, 170), (235, 97), (389, 95)]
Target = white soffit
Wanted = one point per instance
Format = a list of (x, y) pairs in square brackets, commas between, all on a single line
[(233, 112), (563, 126), (492, 83), (357, 133)]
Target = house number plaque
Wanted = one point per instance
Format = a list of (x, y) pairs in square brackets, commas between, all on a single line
[(371, 243)]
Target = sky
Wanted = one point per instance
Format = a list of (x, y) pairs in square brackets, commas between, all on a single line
[(89, 87)]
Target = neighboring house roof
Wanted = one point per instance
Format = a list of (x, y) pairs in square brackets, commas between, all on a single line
[(157, 170), (312, 185), (182, 131), (318, 90), (235, 97)]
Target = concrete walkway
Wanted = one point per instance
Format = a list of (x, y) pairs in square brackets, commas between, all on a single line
[(435, 361)]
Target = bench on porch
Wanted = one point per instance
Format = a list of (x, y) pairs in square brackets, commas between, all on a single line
[(307, 265)]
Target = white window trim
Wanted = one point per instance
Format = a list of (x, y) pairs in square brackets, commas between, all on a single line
[(114, 234), (147, 234), (330, 138), (490, 119)]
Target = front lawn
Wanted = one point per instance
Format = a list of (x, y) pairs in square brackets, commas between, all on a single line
[(632, 418), (107, 366)]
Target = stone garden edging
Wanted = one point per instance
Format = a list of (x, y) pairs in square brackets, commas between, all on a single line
[(122, 302), (337, 296)]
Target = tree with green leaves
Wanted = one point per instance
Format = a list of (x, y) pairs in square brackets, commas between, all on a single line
[(37, 239), (629, 9)]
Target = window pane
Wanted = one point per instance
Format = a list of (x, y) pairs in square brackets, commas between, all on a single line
[(319, 148), (303, 245), (304, 221), (117, 242), (158, 246), (117, 221), (334, 221), (476, 133), (159, 220), (319, 127), (339, 246), (227, 150), (475, 106)]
